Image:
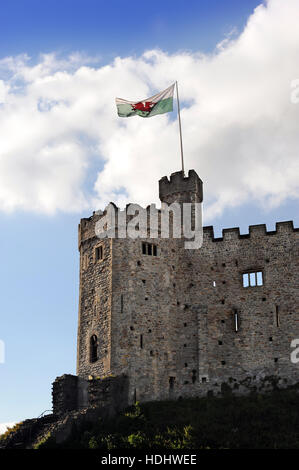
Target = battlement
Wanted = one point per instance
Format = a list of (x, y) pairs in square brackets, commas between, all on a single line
[(87, 227), (180, 188), (254, 230)]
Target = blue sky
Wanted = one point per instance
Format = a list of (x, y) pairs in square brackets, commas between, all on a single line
[(117, 27), (44, 197)]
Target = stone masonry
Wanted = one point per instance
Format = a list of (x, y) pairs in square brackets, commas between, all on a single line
[(181, 323)]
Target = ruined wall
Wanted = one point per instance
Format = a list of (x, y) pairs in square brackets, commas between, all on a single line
[(70, 392)]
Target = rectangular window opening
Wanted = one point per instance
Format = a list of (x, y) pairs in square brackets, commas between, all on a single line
[(149, 249), (253, 279), (245, 280), (99, 252), (259, 276), (171, 382), (236, 320), (277, 315)]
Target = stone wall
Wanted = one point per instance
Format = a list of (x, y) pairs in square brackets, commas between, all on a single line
[(70, 392)]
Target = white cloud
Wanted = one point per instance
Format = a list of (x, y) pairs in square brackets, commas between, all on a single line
[(5, 426), (59, 128)]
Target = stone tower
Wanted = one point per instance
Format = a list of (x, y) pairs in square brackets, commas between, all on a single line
[(128, 304)]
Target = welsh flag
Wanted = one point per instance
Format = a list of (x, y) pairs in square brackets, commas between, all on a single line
[(157, 104)]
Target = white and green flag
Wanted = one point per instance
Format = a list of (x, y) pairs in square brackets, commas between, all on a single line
[(157, 104)]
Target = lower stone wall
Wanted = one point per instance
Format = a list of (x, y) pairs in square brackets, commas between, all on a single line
[(70, 392), (65, 394)]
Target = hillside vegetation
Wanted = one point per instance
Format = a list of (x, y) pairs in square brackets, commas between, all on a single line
[(256, 421)]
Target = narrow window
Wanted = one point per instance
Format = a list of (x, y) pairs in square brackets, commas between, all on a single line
[(154, 250), (144, 248), (93, 348), (245, 280), (171, 382), (214, 283), (236, 320), (149, 249), (193, 376), (99, 252), (277, 315), (121, 303), (259, 277), (141, 341), (252, 280)]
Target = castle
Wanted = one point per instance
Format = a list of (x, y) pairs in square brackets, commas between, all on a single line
[(181, 323), (159, 321)]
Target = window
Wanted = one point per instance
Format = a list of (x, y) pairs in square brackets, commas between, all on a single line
[(253, 279), (149, 249), (277, 316), (171, 382), (99, 252), (236, 320), (93, 348)]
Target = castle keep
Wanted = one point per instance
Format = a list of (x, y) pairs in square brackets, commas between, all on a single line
[(178, 322)]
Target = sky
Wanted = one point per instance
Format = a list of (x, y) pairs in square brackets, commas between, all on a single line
[(64, 152)]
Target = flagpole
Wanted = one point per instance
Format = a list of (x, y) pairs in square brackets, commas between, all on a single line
[(181, 140)]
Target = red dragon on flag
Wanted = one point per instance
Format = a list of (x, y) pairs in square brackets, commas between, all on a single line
[(143, 106), (158, 104)]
